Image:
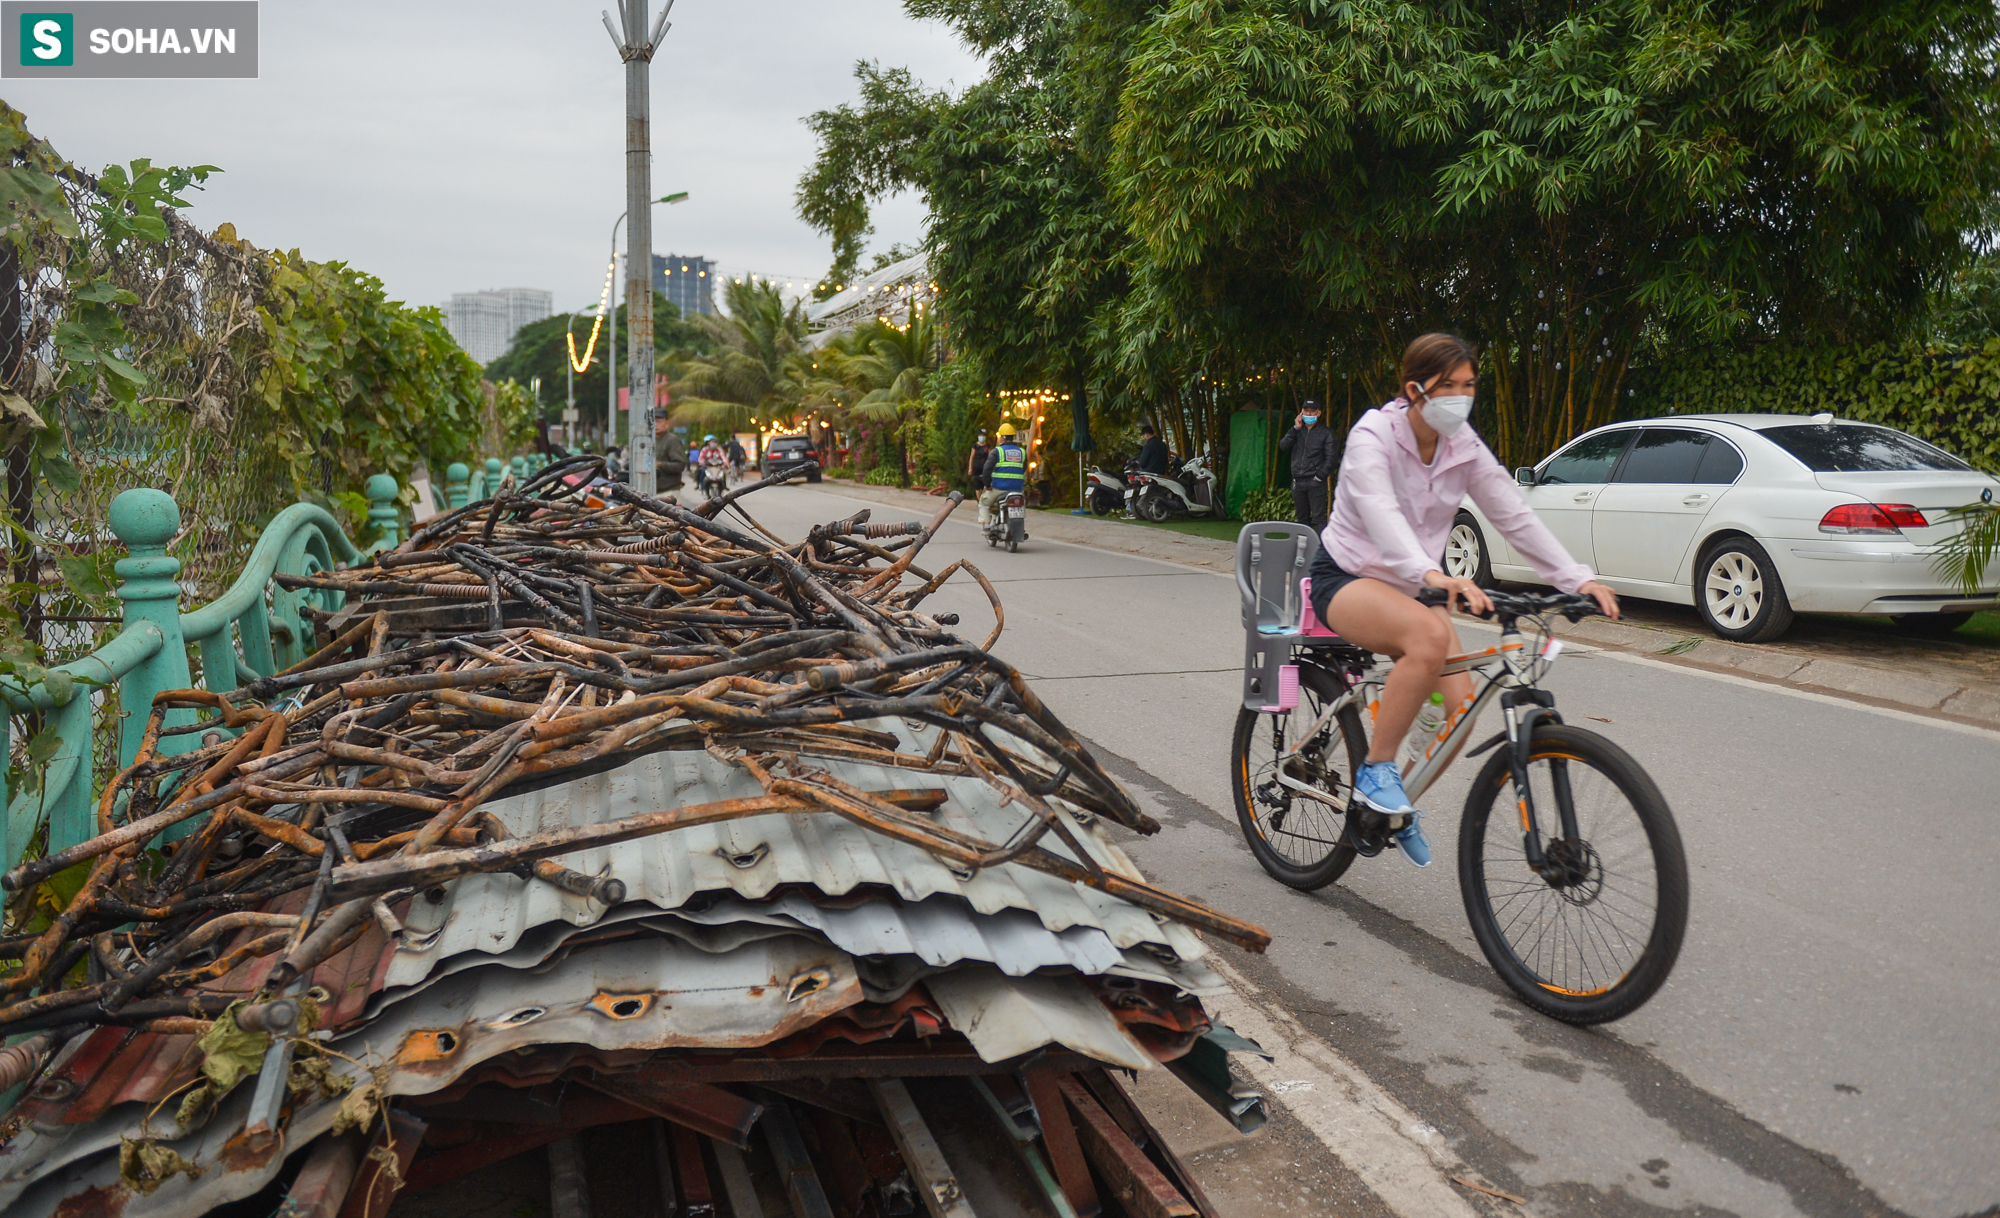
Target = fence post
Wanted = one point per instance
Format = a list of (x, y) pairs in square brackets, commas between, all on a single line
[(520, 470), (382, 511), (144, 519), (457, 485), (495, 467)]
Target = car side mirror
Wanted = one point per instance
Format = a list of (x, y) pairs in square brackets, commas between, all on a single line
[(1525, 475)]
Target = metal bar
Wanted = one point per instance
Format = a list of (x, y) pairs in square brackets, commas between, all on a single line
[(795, 1166), (697, 1197), (936, 1182), (569, 1191), (1059, 1138), (736, 1182), (1023, 1143), (722, 1115), (663, 1167), (1138, 1185)]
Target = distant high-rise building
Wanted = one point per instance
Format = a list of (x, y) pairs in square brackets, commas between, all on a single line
[(484, 323), (687, 281)]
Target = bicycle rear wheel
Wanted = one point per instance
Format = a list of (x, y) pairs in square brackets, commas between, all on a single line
[(1598, 940), (1299, 840)]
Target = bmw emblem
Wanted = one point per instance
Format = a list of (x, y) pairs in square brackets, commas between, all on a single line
[(1986, 496)]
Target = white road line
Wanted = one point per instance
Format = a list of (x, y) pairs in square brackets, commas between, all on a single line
[(1404, 1161)]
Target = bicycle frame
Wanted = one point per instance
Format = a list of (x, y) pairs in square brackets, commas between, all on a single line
[(1510, 676)]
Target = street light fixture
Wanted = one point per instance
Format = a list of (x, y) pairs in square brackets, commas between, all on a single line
[(611, 355)]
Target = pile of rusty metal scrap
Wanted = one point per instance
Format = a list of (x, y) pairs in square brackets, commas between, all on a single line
[(596, 810)]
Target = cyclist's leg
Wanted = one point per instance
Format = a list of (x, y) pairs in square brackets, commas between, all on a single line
[(1371, 614)]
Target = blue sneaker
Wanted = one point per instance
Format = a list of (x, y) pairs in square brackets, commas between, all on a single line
[(1416, 847), (1380, 786)]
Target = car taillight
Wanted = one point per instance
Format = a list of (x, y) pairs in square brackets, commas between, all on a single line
[(1871, 518), (1017, 501)]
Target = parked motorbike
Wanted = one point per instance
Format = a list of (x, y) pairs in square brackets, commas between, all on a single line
[(1188, 491), (1009, 522), (1108, 490)]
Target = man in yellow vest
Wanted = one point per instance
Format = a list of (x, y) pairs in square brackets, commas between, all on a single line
[(1006, 472)]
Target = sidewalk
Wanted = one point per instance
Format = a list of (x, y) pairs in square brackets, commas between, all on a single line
[(1954, 680)]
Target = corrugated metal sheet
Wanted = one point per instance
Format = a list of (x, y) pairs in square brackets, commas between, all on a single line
[(648, 992), (754, 857), (939, 932), (1005, 1017)]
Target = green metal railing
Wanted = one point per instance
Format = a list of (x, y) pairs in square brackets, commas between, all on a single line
[(253, 630)]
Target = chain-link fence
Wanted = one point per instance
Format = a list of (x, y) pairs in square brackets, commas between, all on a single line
[(191, 429)]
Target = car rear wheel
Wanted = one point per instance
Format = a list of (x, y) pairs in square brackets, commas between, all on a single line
[(1465, 555), (1930, 625), (1739, 594)]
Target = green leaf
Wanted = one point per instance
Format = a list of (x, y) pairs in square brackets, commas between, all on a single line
[(105, 293), (61, 473), (82, 575), (122, 368)]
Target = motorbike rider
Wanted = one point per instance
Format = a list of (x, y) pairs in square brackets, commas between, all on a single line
[(711, 456), (1153, 455), (1006, 471), (736, 456), (1407, 466), (1312, 446)]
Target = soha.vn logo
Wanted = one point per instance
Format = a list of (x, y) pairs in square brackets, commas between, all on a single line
[(48, 40)]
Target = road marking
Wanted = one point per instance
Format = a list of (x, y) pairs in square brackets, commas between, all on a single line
[(1403, 1160), (1114, 676)]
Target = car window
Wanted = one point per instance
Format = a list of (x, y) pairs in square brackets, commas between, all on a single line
[(1664, 454), (1588, 460), (1720, 464), (1827, 448)]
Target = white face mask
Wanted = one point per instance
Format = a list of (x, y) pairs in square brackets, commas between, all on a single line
[(1447, 414)]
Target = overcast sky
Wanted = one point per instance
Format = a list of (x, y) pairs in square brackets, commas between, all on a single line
[(452, 146)]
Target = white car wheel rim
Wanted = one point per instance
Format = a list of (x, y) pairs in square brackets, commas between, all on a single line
[(1461, 552), (1735, 590)]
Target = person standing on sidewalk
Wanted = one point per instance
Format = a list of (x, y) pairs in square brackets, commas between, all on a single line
[(975, 464), (1311, 444)]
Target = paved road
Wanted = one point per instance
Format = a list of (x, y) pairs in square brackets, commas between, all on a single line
[(1826, 1046)]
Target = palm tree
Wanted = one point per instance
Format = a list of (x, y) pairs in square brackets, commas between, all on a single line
[(874, 376), (758, 370)]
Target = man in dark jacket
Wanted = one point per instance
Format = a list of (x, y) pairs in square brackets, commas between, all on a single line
[(1314, 458), (1153, 453)]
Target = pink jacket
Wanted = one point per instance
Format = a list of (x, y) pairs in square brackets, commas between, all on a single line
[(1392, 513)]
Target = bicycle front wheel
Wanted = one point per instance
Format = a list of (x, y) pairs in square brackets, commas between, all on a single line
[(1595, 937), (1300, 840)]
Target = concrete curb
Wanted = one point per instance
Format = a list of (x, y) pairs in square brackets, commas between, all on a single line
[(1977, 703)]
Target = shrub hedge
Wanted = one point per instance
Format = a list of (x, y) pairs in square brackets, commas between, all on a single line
[(1948, 397)]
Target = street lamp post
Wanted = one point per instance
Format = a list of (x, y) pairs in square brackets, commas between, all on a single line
[(611, 359), (636, 48)]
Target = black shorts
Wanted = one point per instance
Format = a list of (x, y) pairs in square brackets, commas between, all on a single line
[(1327, 579)]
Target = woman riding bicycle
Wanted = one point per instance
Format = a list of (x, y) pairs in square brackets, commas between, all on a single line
[(1407, 467)]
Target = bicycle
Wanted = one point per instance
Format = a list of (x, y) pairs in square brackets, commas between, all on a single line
[(1592, 932)]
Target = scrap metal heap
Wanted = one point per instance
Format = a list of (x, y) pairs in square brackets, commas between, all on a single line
[(595, 808)]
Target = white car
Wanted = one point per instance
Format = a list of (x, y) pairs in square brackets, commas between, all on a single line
[(1749, 518)]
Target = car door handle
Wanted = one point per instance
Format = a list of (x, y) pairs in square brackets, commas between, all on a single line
[(1584, 496), (1692, 500)]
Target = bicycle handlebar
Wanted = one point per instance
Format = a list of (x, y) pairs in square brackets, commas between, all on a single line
[(1507, 606)]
